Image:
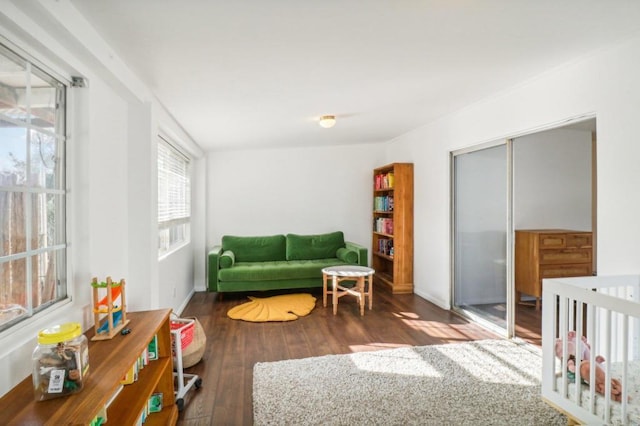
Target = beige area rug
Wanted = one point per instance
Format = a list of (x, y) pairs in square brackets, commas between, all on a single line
[(488, 382), (286, 307)]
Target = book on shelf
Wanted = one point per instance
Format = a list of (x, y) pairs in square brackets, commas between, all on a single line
[(100, 418), (142, 361), (131, 376), (384, 180), (155, 403), (383, 203), (383, 225), (385, 246), (152, 348)]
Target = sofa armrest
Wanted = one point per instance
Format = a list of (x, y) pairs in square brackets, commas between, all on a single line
[(363, 255), (213, 265)]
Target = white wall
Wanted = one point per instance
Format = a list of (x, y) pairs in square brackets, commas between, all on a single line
[(606, 84), (107, 205), (304, 191), (112, 181), (199, 224), (552, 180)]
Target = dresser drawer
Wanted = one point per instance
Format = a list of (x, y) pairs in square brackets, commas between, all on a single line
[(552, 241), (559, 271), (549, 257), (579, 240)]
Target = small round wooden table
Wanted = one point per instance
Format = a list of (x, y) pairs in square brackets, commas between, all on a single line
[(348, 273)]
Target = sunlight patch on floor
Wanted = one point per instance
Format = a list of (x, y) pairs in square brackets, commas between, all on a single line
[(403, 361), (430, 328), (478, 362), (443, 331), (406, 315), (376, 347)]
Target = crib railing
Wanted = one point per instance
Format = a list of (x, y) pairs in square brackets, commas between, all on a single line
[(604, 309)]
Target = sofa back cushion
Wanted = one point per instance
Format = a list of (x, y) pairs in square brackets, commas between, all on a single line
[(307, 247), (255, 249)]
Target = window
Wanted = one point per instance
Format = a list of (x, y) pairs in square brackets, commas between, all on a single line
[(174, 198), (32, 189)]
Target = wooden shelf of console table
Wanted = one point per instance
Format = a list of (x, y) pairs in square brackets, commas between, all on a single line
[(109, 361)]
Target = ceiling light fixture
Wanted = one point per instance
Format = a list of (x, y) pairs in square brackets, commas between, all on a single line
[(327, 121)]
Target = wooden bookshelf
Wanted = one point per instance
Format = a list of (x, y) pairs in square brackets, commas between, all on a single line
[(393, 226), (109, 361)]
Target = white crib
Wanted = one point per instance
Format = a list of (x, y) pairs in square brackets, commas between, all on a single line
[(610, 310)]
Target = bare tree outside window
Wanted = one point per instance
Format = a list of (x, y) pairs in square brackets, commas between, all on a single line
[(32, 189)]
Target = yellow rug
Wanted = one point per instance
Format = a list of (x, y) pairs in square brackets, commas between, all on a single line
[(286, 307)]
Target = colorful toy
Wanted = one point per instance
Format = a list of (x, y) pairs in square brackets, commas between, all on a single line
[(109, 312)]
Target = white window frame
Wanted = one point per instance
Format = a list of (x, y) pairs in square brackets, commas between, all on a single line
[(174, 197), (48, 253)]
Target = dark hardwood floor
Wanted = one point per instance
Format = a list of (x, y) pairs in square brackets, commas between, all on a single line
[(233, 347), (528, 324)]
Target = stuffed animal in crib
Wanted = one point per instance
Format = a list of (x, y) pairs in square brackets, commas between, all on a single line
[(585, 364)]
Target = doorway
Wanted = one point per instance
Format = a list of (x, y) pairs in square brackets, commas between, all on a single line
[(540, 180)]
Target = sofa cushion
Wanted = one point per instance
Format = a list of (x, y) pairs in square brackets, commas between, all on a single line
[(347, 255), (320, 246), (255, 249), (280, 270), (227, 259)]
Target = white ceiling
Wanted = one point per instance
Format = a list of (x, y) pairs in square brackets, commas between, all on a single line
[(259, 73)]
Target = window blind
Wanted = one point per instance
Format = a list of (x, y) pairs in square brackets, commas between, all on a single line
[(174, 197)]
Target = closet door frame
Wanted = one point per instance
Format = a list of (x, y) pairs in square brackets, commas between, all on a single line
[(509, 331)]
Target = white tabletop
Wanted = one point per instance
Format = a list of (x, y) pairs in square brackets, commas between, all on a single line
[(348, 271)]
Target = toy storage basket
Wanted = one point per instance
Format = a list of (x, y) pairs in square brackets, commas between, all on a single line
[(185, 327)]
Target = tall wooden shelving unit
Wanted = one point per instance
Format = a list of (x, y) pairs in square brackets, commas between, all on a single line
[(109, 361), (393, 226)]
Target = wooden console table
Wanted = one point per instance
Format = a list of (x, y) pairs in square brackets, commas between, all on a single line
[(109, 361)]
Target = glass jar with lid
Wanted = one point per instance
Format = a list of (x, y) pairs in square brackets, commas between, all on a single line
[(60, 361)]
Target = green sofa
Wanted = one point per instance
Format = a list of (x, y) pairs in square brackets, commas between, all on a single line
[(278, 261)]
